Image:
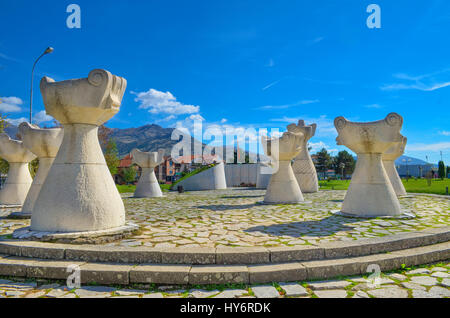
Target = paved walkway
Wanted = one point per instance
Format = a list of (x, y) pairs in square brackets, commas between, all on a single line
[(234, 217), (423, 282)]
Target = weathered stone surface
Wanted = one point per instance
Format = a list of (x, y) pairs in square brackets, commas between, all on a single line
[(160, 274), (245, 255), (114, 254), (277, 272), (50, 269), (266, 291), (334, 293), (324, 285), (94, 292), (393, 292), (105, 273), (293, 289), (218, 274), (153, 295), (12, 267), (188, 256), (399, 277), (297, 253), (200, 293), (424, 280), (232, 293), (332, 268)]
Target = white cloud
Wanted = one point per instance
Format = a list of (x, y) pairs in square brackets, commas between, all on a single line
[(163, 103), (302, 102), (223, 121), (429, 147), (271, 63), (270, 85), (444, 133), (39, 118), (10, 104), (317, 146), (425, 82), (377, 106)]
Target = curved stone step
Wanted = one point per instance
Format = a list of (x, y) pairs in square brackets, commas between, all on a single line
[(124, 274), (224, 256)]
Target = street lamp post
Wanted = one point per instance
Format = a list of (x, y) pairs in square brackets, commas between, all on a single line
[(342, 166), (407, 169), (47, 51)]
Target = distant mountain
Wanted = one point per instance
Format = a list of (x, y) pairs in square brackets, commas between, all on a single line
[(145, 138), (11, 130), (411, 161)]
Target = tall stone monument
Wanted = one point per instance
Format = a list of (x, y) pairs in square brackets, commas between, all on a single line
[(389, 158), (148, 186), (303, 166), (19, 180), (370, 193), (44, 143), (79, 194), (283, 187)]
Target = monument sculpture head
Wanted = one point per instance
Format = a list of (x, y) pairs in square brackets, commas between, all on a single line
[(396, 150), (14, 150), (92, 100), (147, 159), (371, 137), (44, 143), (307, 130), (287, 146)]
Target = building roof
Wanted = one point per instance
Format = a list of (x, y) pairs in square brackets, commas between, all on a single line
[(126, 161)]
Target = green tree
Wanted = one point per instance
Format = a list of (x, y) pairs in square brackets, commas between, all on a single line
[(4, 165), (129, 174), (112, 156), (448, 172), (324, 161), (441, 169), (344, 157)]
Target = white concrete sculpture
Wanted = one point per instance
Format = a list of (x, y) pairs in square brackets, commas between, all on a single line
[(389, 158), (19, 179), (370, 193), (264, 173), (283, 187), (44, 143), (303, 166), (79, 194), (148, 185), (210, 179)]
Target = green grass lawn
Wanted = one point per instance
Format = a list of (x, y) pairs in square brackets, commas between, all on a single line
[(412, 185)]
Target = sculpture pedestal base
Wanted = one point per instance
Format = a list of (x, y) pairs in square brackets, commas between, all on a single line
[(283, 187), (370, 193), (20, 215), (305, 173), (403, 216), (397, 184), (17, 185), (148, 185), (88, 237)]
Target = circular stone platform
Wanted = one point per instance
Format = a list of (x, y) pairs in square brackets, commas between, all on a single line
[(234, 218), (215, 237)]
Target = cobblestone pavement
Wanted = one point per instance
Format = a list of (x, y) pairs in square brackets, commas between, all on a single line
[(235, 217), (431, 281)]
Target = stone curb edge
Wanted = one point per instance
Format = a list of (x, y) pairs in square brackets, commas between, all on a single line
[(125, 274), (226, 255)]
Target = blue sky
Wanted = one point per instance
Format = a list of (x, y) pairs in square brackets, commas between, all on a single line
[(243, 63)]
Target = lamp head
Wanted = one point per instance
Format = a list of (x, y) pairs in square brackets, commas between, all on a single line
[(49, 50)]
